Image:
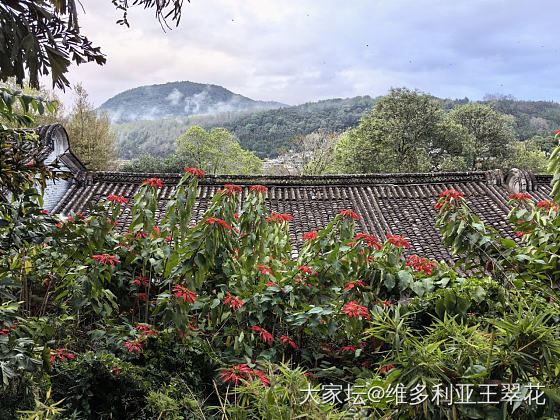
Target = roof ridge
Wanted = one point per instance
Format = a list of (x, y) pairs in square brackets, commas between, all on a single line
[(343, 179)]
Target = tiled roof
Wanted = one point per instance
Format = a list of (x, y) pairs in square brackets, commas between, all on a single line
[(401, 204)]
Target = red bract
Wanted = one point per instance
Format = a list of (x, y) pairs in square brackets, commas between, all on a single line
[(448, 197), (235, 302), (420, 264), (262, 377), (547, 205), (140, 281), (272, 284), (265, 335), (230, 189), (196, 172), (61, 354), (557, 132), (182, 292), (520, 196), (370, 241), (146, 330), (279, 217), (106, 259), (211, 220), (286, 340), (119, 199), (265, 269), (135, 345), (398, 241), (355, 283), (258, 189), (153, 182), (44, 211), (385, 369), (352, 309), (348, 349), (235, 373), (310, 235), (349, 213)]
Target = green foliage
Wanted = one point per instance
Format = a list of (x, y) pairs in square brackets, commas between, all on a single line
[(93, 141), (216, 151), (266, 133), (219, 318), (492, 135), (407, 131)]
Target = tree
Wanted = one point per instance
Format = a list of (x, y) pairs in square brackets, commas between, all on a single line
[(407, 131), (314, 152), (215, 152), (90, 133), (492, 132), (55, 114), (527, 155), (38, 37)]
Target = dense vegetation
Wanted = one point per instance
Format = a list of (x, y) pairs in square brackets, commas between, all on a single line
[(215, 151), (269, 133), (177, 99), (265, 132), (166, 320)]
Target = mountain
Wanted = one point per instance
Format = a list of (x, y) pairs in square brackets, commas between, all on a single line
[(177, 99), (265, 132)]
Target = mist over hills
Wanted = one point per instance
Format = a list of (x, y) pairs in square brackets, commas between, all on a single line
[(267, 133), (149, 119), (177, 99)]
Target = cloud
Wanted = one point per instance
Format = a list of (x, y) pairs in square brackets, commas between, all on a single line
[(294, 51)]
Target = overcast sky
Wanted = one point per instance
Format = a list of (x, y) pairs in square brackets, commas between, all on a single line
[(296, 51)]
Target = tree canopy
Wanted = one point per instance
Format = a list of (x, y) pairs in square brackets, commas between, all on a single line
[(41, 37)]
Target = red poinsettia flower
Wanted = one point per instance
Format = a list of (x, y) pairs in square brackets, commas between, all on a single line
[(258, 189), (262, 377), (547, 205), (352, 309), (520, 196), (235, 302), (196, 172), (398, 241), (106, 259), (182, 292), (385, 369), (211, 220), (355, 283), (349, 213), (133, 346), (310, 235), (153, 182), (265, 335), (420, 264), (279, 217), (235, 373), (286, 340), (448, 197), (45, 211), (230, 189), (61, 354), (370, 240), (265, 269), (119, 199)]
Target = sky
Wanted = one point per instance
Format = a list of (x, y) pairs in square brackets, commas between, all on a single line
[(297, 51)]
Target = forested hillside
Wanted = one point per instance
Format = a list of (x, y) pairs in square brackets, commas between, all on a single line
[(265, 132), (177, 99), (531, 118)]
